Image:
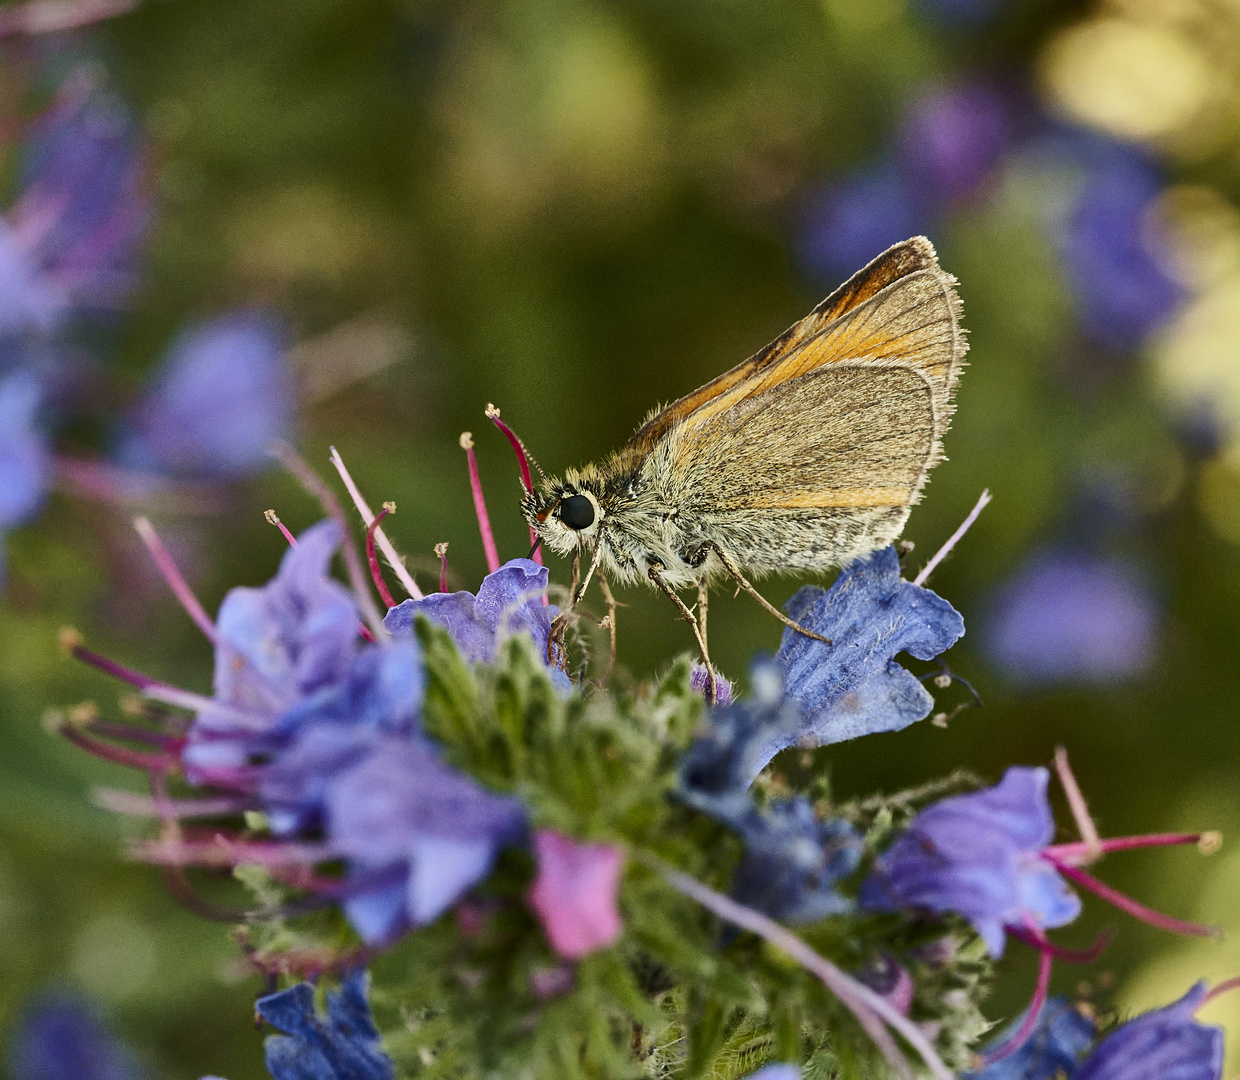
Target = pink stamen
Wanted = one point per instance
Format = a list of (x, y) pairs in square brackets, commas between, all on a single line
[(1076, 801), (270, 515), (527, 480), (480, 505), (442, 551), (1031, 1016), (953, 540), (1223, 988), (128, 733), (1129, 905), (1034, 937), (70, 641), (1078, 853), (226, 851), (130, 803), (376, 573), (172, 575), (134, 759)]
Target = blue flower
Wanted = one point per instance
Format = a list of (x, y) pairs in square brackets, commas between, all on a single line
[(222, 397), (509, 601), (1112, 261), (83, 211), (1166, 1044), (277, 646), (854, 686), (979, 855), (62, 1038), (25, 461), (1070, 616), (848, 223), (28, 302), (776, 1072), (1051, 1051), (343, 1045), (952, 140), (793, 861), (401, 809)]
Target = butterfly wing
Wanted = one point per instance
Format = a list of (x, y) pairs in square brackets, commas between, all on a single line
[(906, 258), (831, 435)]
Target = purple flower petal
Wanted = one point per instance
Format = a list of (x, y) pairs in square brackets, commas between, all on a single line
[(853, 687), (575, 893), (508, 602), (1054, 1048), (343, 1045), (979, 855), (25, 461), (1166, 1044), (402, 806)]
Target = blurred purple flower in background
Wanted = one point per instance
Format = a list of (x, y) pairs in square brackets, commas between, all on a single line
[(952, 140), (343, 1045), (1166, 1044), (72, 240), (61, 1037), (223, 395), (1052, 1050), (25, 460), (961, 14), (980, 855), (575, 893), (1111, 251), (1070, 616), (847, 223), (777, 1072)]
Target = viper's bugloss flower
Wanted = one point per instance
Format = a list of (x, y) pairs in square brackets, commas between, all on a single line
[(82, 215), (426, 832), (276, 648), (848, 223), (952, 140), (1166, 1044), (1053, 1049), (1115, 267), (1070, 616), (25, 459), (574, 894), (509, 601), (343, 1045), (223, 395), (853, 686), (63, 1038), (793, 861), (980, 854)]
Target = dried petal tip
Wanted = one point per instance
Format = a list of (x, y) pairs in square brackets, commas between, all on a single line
[(467, 440), (270, 515), (1210, 842), (491, 412), (390, 507), (441, 550), (69, 639)]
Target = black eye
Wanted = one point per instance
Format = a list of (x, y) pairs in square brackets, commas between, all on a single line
[(577, 512)]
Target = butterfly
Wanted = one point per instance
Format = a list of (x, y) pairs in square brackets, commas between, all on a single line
[(806, 456)]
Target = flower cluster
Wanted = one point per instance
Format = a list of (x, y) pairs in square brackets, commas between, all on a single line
[(393, 769)]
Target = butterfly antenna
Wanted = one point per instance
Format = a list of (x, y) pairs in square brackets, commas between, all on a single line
[(524, 458)]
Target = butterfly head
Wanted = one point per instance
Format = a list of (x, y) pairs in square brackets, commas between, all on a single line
[(565, 514)]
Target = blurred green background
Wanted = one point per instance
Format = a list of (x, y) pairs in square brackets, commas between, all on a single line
[(577, 209)]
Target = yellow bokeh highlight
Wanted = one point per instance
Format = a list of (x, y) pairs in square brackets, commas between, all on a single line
[(1137, 81)]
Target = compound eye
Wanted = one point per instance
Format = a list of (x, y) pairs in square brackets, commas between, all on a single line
[(577, 512)]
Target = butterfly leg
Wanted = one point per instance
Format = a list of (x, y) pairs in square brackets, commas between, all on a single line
[(655, 576), (610, 619), (744, 583), (702, 605)]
